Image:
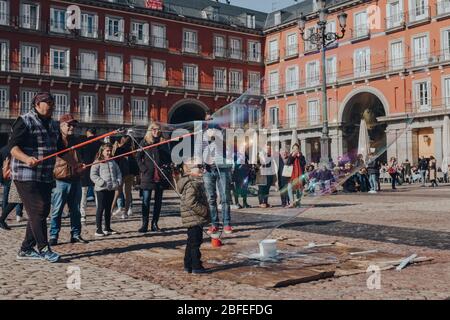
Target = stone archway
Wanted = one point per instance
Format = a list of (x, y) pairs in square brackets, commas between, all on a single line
[(187, 110), (368, 104)]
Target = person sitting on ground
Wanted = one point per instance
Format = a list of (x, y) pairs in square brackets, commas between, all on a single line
[(195, 214)]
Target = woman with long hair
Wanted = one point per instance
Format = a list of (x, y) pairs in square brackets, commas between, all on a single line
[(155, 170)]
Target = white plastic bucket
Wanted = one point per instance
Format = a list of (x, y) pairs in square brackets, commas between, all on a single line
[(268, 248)]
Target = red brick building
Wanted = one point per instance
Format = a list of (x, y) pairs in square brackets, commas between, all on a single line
[(128, 63)]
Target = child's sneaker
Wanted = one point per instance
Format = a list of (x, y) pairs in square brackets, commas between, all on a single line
[(228, 230), (212, 230)]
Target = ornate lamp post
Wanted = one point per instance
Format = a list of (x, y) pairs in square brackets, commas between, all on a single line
[(322, 39)]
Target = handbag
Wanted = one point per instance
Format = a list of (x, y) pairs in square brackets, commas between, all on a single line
[(6, 169), (287, 171)]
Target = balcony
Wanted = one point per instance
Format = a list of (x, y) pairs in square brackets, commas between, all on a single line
[(418, 16), (159, 42), (220, 52), (191, 48), (273, 57), (291, 51), (360, 33), (235, 54), (442, 8), (427, 106), (395, 22)]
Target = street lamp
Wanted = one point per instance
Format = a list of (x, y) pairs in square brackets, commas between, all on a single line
[(322, 39)]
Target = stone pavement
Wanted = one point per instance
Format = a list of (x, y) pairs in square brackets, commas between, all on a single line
[(135, 266)]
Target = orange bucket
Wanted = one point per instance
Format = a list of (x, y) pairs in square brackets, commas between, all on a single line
[(216, 243)]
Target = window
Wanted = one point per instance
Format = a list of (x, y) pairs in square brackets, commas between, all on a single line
[(236, 49), (59, 62), (114, 68), (219, 46), (273, 50), (254, 116), (443, 7), (394, 13), (251, 21), (422, 95), (420, 50), (331, 69), (26, 99), (89, 25), (254, 51), (309, 46), (190, 43), (88, 65), (362, 62), (446, 90), (139, 70), (312, 73), (62, 105), (159, 36), (4, 102), (4, 12), (274, 117), (88, 106), (139, 110), (254, 83), (396, 55), (114, 29), (191, 77), (277, 18), (361, 28), (29, 16), (220, 80), (236, 81), (445, 44), (159, 73), (114, 109), (292, 78), (30, 59), (58, 19), (140, 32), (4, 56), (273, 83), (292, 45), (418, 10), (313, 112), (292, 115)]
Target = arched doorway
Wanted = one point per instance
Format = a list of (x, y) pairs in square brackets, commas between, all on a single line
[(187, 110), (368, 106)]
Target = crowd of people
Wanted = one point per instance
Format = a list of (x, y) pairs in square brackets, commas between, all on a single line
[(46, 185)]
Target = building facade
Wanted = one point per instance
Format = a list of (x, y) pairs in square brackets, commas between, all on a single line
[(128, 63), (391, 69)]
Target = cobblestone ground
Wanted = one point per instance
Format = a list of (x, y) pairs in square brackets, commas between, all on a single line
[(134, 266)]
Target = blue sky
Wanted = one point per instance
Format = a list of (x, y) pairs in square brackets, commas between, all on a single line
[(263, 5)]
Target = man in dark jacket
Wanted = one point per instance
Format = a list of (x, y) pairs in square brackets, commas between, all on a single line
[(373, 169), (423, 167)]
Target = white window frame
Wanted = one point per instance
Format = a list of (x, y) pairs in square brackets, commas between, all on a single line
[(274, 53), (25, 107), (158, 41), (117, 115), (422, 102), (313, 117), (443, 7), (360, 29), (220, 79), (85, 32), (362, 69), (309, 46), (139, 110), (331, 74), (37, 68), (445, 42), (274, 116), (254, 82), (220, 49), (445, 89), (4, 14), (418, 12), (235, 52), (142, 39), (111, 35), (190, 45), (139, 78), (277, 18), (59, 110), (292, 84), (4, 55), (292, 114), (191, 84), (85, 71), (236, 85), (56, 25), (26, 21), (251, 21), (158, 80), (274, 82), (312, 73), (115, 76), (396, 61), (65, 72), (422, 58), (394, 19), (4, 101), (291, 48), (254, 51), (87, 113)]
